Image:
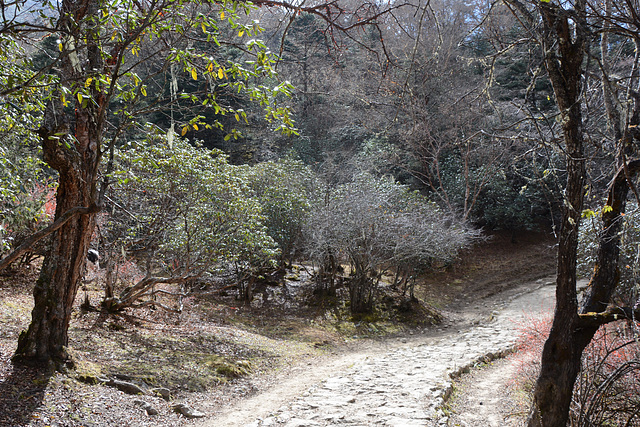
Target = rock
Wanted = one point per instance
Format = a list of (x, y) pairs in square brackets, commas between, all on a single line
[(146, 406), (125, 386), (163, 392), (187, 411)]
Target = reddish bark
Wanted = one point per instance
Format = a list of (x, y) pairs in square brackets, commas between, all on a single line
[(76, 158)]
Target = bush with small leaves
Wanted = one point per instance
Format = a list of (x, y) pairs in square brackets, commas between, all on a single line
[(24, 184), (282, 187), (182, 211)]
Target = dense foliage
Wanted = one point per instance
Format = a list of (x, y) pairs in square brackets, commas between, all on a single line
[(182, 212), (24, 182), (283, 189)]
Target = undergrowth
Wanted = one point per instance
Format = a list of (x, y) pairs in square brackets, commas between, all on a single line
[(607, 390)]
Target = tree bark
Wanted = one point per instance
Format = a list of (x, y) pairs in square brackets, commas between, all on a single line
[(62, 271), (76, 158), (571, 330), (563, 349)]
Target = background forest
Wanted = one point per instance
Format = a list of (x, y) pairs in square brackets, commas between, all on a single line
[(189, 142), (410, 133)]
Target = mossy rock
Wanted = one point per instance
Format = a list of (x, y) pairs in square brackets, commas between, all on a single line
[(228, 369), (366, 317), (86, 371)]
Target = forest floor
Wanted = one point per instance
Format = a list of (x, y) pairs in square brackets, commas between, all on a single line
[(218, 354)]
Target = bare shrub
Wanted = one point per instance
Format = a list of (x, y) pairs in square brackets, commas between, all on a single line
[(607, 392), (373, 224)]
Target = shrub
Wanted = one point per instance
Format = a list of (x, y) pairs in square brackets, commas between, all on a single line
[(25, 185), (372, 223), (282, 189), (607, 391), (182, 212)]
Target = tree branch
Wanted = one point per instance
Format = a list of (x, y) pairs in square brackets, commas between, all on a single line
[(611, 314), (31, 240)]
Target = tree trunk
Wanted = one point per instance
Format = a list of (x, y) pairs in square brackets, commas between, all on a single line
[(563, 349), (62, 272), (571, 332), (77, 160)]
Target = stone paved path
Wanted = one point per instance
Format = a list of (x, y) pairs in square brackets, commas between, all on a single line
[(406, 385)]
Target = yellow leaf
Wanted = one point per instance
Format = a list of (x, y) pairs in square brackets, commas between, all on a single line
[(185, 130), (222, 15), (204, 28), (60, 46), (220, 73), (143, 91), (88, 82), (237, 117), (195, 126), (194, 74), (588, 213), (210, 67), (607, 208), (79, 97), (241, 33)]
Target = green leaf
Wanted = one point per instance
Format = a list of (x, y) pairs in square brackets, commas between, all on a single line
[(588, 213)]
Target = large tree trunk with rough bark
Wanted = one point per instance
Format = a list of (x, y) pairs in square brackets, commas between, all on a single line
[(574, 327), (62, 271), (74, 151), (563, 348)]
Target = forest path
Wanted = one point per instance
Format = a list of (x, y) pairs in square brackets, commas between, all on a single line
[(400, 382)]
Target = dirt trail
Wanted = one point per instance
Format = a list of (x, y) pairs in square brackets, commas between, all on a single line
[(401, 382)]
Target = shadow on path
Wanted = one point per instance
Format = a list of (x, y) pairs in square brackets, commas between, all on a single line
[(22, 391)]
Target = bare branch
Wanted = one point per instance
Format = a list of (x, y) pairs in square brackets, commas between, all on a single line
[(31, 240), (611, 314)]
